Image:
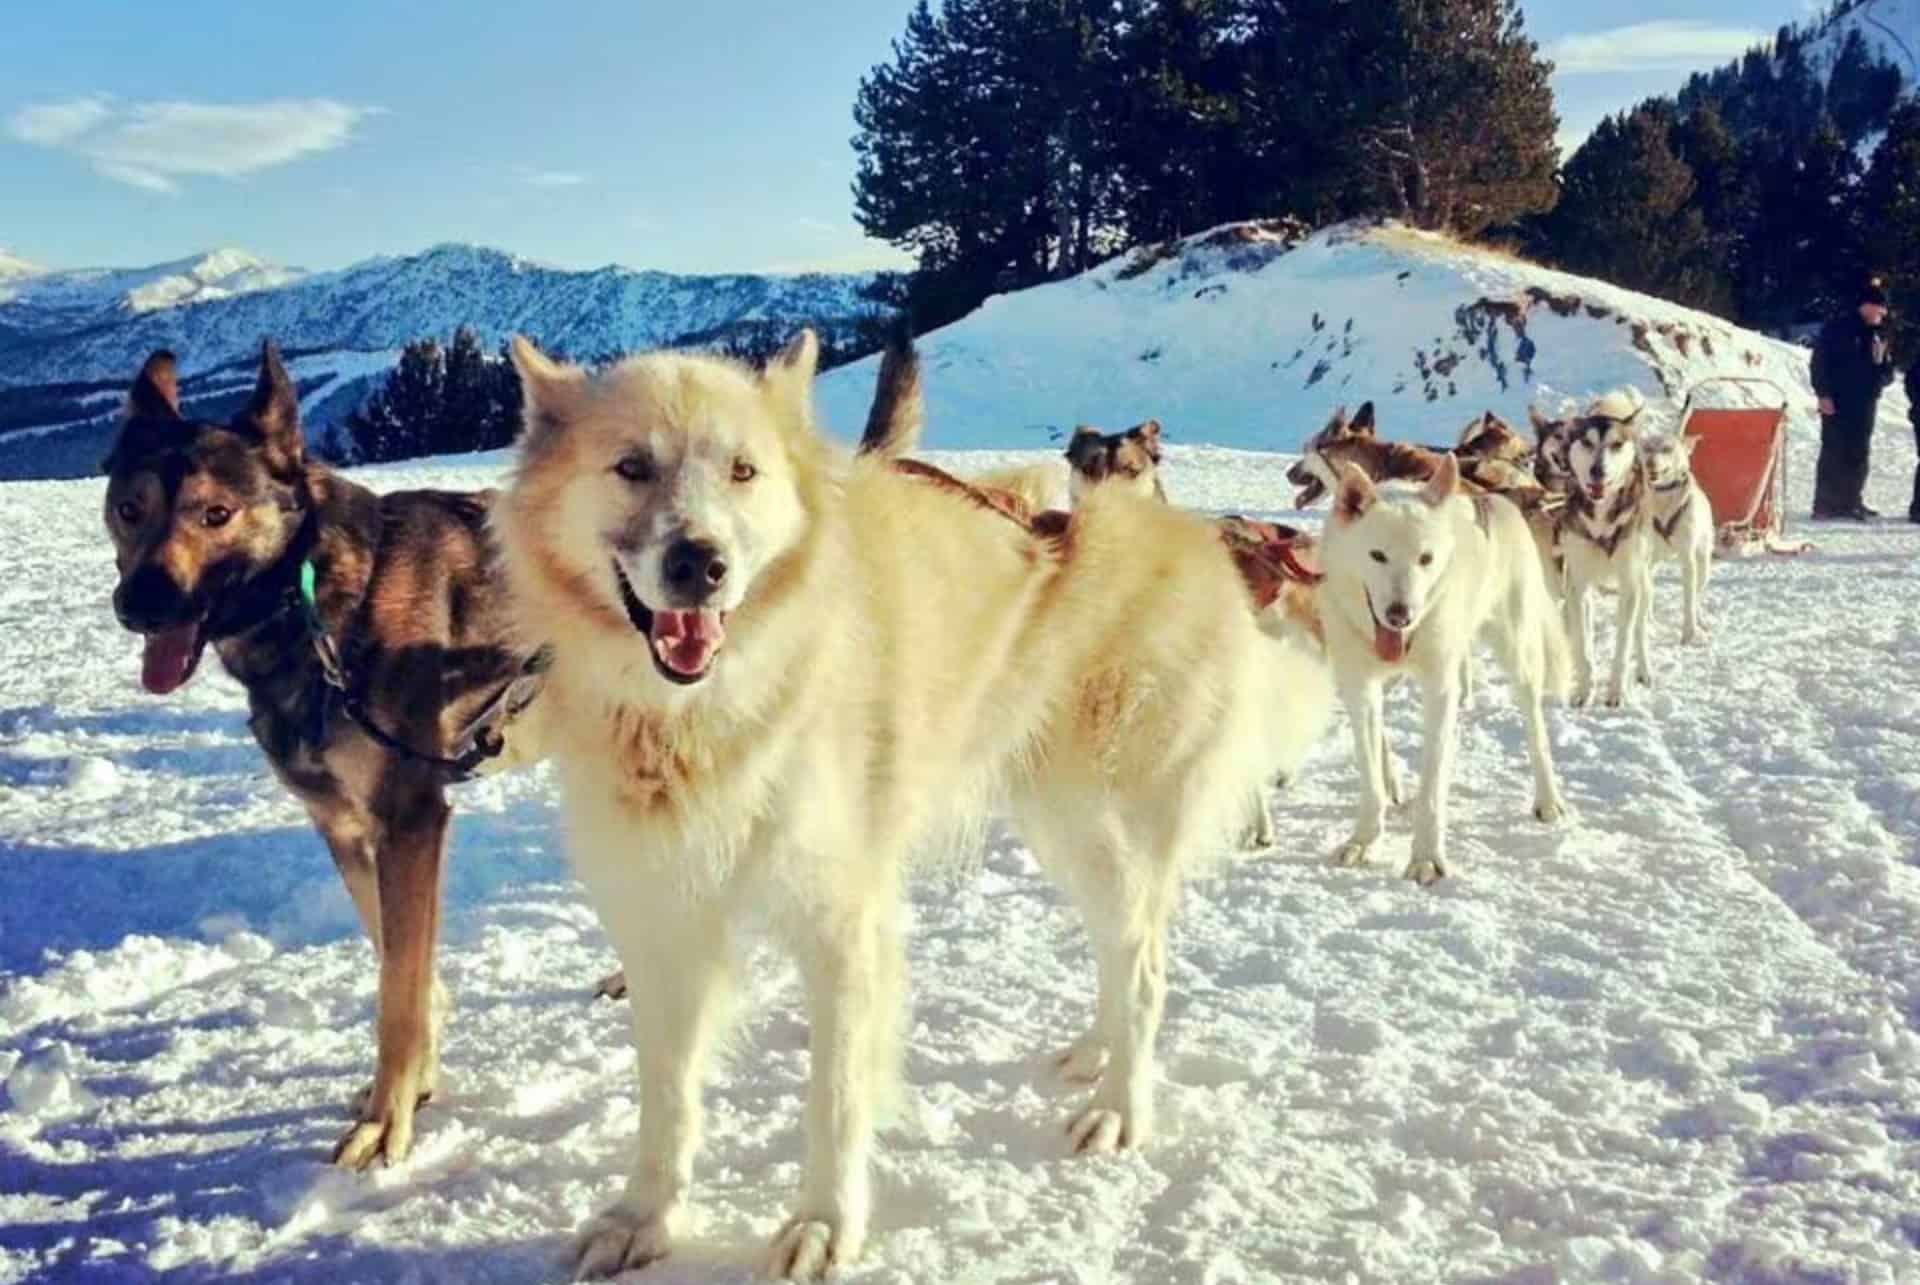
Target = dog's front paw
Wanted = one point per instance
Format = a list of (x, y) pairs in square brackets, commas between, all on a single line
[(384, 1130), (1083, 1061), (1581, 697), (1103, 1127), (618, 1239), (1616, 697), (1552, 810), (1352, 853), (1426, 871), (362, 1100), (808, 1247), (612, 986)]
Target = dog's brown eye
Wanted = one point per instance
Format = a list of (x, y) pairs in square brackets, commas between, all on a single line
[(129, 512), (1616, 446), (743, 471), (1378, 556), (1426, 559), (635, 468), (217, 515)]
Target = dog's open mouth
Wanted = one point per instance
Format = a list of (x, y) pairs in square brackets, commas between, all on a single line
[(170, 657), (684, 643), (1307, 489), (1596, 490), (1389, 644)]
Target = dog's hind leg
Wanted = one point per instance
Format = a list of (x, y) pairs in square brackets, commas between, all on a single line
[(1697, 562), (852, 968), (1370, 754), (1580, 637), (408, 865), (1440, 702), (1643, 625), (1523, 648), (1125, 895)]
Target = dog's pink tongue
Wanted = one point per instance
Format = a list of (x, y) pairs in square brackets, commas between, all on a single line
[(1390, 644), (169, 659), (687, 640)]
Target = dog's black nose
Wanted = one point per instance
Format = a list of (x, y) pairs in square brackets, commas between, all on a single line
[(149, 599), (693, 568), (1398, 616)]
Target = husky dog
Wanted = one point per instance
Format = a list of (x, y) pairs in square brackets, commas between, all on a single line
[(371, 634), (1492, 438), (1414, 573), (1491, 457), (1604, 536), (1682, 521), (1130, 458), (778, 673)]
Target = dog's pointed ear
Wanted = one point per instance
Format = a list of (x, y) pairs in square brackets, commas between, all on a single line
[(274, 414), (1080, 446), (1444, 483), (1362, 421), (1355, 496), (156, 389), (547, 388), (1149, 433), (1689, 442), (788, 377), (1542, 426)]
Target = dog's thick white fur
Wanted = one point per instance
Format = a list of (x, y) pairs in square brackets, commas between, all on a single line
[(878, 659), (1606, 537), (1414, 575), (1682, 520)]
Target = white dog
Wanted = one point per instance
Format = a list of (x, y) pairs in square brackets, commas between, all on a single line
[(1605, 536), (1682, 520), (779, 672), (1414, 574)]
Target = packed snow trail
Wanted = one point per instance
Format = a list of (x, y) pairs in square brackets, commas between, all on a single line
[(1674, 1042)]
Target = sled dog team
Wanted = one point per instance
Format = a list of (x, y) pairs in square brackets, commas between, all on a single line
[(773, 675)]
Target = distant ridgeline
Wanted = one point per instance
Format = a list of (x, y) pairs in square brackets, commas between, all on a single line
[(70, 341)]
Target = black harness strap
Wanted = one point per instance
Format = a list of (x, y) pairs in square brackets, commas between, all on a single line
[(481, 735)]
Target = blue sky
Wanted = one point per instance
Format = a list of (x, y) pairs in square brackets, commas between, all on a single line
[(697, 138)]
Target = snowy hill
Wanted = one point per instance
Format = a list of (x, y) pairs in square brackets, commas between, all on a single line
[(1240, 337), (57, 328), (1677, 1042)]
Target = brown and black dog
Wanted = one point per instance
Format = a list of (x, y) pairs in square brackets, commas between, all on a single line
[(391, 674), (1130, 457), (1492, 457)]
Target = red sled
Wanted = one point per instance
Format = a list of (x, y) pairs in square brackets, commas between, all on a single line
[(1740, 461)]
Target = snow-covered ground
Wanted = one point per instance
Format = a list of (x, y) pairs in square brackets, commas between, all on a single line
[(1677, 1042)]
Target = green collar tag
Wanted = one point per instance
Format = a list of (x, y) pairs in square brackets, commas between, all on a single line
[(306, 585)]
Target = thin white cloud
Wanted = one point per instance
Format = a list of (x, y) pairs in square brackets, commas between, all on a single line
[(152, 145), (1674, 44), (51, 124), (552, 178)]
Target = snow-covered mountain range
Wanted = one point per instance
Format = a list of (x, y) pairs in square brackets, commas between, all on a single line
[(96, 325)]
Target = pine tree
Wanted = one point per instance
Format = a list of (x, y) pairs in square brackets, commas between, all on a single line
[(1625, 212), (1889, 218), (464, 421), (1449, 105), (400, 419)]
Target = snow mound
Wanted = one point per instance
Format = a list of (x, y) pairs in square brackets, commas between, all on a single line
[(1248, 335)]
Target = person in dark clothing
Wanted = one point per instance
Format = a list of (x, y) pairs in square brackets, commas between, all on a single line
[(1913, 417), (1851, 364)]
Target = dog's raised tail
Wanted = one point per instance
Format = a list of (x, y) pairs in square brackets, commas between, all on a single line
[(899, 409)]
